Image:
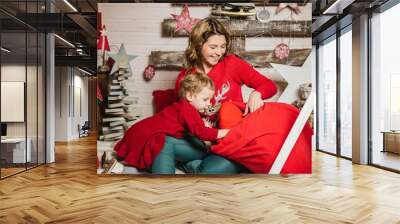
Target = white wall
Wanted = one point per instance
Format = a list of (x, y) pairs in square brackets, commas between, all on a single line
[(33, 127), (67, 117), (61, 103), (12, 73), (79, 117), (16, 73), (138, 26)]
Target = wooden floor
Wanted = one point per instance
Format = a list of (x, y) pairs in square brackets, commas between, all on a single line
[(69, 191), (386, 159), (10, 171)]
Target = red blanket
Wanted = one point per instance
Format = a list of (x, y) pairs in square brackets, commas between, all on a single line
[(256, 141)]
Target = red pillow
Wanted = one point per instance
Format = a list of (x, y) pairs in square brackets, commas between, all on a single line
[(164, 98), (230, 114)]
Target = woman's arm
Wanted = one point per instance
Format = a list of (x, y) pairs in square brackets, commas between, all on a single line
[(264, 88), (246, 74)]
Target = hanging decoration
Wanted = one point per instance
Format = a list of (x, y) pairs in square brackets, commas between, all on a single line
[(184, 21), (263, 15), (122, 60), (281, 51), (103, 46), (103, 40), (149, 72), (293, 7)]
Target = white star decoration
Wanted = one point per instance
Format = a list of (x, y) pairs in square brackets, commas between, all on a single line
[(294, 76), (122, 60)]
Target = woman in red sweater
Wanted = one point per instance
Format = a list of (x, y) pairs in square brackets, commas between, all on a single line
[(208, 52)]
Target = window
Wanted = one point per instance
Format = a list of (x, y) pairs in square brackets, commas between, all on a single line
[(22, 67), (327, 96), (345, 94), (385, 89)]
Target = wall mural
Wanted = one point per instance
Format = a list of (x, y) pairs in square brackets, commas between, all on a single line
[(238, 123)]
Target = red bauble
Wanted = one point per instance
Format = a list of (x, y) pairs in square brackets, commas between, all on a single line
[(281, 51), (149, 72)]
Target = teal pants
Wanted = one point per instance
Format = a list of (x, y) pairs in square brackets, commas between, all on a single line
[(192, 153)]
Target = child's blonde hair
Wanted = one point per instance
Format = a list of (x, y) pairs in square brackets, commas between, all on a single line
[(194, 83)]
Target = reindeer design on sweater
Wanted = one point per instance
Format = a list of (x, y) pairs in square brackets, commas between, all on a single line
[(218, 98)]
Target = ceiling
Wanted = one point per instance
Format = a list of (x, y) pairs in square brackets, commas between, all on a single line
[(79, 27)]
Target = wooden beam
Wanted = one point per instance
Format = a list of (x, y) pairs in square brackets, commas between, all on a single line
[(263, 58), (170, 60), (261, 3), (250, 28), (260, 59), (238, 44)]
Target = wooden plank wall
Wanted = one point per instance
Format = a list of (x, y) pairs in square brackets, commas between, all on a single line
[(139, 27)]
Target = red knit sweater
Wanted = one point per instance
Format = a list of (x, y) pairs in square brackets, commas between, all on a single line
[(144, 140), (230, 74)]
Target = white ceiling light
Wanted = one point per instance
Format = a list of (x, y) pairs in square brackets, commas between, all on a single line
[(70, 5), (86, 72), (5, 50), (64, 40), (337, 7)]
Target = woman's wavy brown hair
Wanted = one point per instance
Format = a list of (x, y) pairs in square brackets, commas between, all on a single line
[(204, 29)]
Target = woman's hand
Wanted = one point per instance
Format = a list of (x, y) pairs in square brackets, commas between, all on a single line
[(254, 102)]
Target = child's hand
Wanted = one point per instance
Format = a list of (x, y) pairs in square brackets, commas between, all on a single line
[(208, 145), (222, 133)]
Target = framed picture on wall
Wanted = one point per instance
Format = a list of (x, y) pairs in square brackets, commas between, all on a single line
[(12, 101)]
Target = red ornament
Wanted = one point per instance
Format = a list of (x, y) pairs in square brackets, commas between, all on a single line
[(103, 41), (149, 72), (184, 21), (281, 51)]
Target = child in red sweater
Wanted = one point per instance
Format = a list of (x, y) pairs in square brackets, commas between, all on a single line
[(143, 141)]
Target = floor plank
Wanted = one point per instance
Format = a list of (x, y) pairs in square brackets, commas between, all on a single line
[(70, 191)]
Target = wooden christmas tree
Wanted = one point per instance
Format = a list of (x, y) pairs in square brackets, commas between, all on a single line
[(119, 112)]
